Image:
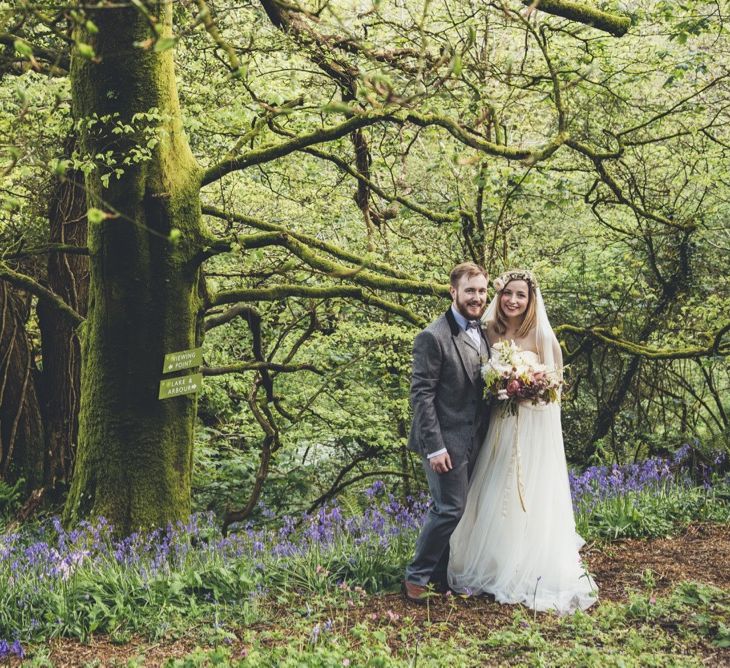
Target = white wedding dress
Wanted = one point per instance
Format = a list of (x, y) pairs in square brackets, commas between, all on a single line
[(517, 538)]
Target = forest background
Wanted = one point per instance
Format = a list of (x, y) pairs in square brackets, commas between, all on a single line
[(287, 186)]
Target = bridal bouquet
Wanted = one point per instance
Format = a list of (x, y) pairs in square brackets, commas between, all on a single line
[(514, 377)]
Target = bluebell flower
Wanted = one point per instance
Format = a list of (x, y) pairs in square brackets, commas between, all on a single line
[(17, 649)]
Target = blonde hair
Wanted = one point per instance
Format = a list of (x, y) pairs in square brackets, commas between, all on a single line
[(529, 317)]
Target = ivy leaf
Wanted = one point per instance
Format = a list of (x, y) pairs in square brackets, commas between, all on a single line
[(85, 50), (96, 216), (164, 44), (175, 236), (60, 167), (22, 48)]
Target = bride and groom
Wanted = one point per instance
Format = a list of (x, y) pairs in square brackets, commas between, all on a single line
[(501, 519)]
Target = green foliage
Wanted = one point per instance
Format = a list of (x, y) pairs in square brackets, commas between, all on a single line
[(371, 651), (624, 225), (648, 630), (197, 580), (357, 408), (653, 513), (223, 472), (372, 567), (11, 497)]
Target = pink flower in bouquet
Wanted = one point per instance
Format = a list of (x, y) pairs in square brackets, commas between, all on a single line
[(512, 378)]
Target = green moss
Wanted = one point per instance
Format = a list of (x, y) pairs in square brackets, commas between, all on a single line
[(135, 452)]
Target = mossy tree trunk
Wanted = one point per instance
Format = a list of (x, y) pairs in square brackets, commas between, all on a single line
[(134, 457)]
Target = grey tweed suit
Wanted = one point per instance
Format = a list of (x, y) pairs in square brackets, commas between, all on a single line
[(449, 411)]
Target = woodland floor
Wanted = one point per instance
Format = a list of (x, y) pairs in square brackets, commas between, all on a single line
[(700, 554)]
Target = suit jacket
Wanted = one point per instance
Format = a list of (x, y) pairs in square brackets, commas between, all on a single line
[(447, 390)]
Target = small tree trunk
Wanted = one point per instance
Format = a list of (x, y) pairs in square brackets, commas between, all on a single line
[(60, 382), (21, 427)]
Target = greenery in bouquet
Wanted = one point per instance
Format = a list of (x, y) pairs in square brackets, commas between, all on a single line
[(512, 378)]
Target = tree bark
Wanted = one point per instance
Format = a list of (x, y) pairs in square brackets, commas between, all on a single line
[(60, 382), (134, 457), (21, 426)]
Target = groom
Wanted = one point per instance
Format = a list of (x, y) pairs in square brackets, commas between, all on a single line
[(450, 420)]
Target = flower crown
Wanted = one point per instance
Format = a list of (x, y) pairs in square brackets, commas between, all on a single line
[(514, 275)]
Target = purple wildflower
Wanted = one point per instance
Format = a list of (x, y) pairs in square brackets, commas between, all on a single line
[(17, 649)]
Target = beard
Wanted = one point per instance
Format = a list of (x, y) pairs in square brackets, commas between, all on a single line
[(471, 309)]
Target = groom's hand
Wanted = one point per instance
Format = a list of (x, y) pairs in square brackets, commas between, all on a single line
[(441, 464)]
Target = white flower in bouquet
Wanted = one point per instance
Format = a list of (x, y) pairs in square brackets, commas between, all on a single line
[(512, 377)]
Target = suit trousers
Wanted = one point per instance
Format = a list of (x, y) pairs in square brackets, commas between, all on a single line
[(448, 495)]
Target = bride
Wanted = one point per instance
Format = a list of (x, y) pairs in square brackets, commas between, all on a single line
[(517, 539)]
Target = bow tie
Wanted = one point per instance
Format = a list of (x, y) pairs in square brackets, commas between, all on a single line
[(472, 324)]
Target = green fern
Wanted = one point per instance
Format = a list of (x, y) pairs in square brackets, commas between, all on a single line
[(10, 496)]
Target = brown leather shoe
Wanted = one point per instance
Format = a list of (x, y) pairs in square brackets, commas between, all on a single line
[(439, 583), (415, 593)]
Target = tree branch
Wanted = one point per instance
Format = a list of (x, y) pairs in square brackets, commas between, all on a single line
[(598, 162), (270, 444), (69, 249), (210, 27), (363, 119), (610, 23), (338, 486), (309, 240), (254, 365), (638, 350), (35, 288), (58, 61), (269, 153), (357, 275), (434, 216), (316, 292), (459, 132)]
